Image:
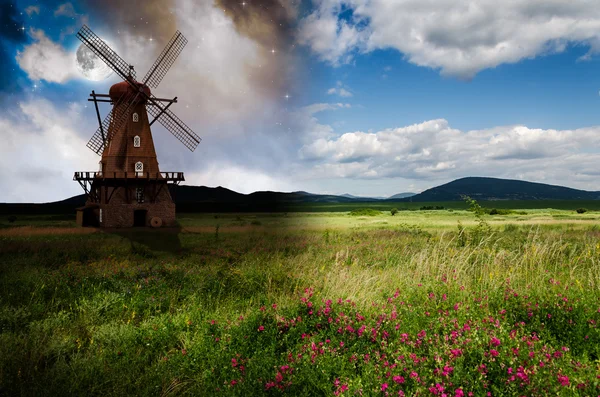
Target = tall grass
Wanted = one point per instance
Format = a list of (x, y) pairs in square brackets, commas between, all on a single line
[(117, 315)]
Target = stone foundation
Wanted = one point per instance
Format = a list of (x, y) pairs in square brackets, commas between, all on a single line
[(122, 215)]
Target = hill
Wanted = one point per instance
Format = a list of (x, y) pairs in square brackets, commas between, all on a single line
[(220, 199), (489, 189), (361, 198), (402, 195)]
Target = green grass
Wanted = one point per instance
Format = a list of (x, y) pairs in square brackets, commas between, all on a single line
[(304, 304)]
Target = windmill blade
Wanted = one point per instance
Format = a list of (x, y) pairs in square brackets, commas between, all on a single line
[(112, 123), (104, 52), (165, 60), (173, 124)]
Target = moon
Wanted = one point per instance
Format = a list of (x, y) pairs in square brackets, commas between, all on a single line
[(90, 66)]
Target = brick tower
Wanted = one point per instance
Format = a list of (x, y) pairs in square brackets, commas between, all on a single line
[(128, 189)]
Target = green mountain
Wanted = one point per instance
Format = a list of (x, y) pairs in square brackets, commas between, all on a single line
[(489, 189)]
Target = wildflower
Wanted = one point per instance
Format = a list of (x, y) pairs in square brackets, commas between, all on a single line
[(234, 362), (398, 379), (261, 328), (183, 352), (384, 387), (563, 380), (233, 382), (494, 353), (495, 341), (459, 393)]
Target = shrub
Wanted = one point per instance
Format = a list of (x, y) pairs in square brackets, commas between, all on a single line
[(394, 211), (495, 211), (581, 210), (256, 223), (365, 212), (12, 218), (431, 207)]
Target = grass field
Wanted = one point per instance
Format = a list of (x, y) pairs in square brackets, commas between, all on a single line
[(423, 302)]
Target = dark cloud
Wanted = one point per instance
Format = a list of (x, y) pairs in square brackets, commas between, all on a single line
[(142, 17), (10, 35), (268, 22)]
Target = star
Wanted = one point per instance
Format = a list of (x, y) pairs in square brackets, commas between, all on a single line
[(287, 96), (273, 51)]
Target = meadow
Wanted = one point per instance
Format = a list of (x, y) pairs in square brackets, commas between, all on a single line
[(431, 303)]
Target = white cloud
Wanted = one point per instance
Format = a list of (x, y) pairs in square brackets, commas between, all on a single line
[(433, 150), (40, 152), (340, 90), (460, 38), (46, 60), (240, 179)]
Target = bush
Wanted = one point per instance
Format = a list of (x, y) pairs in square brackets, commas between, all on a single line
[(365, 212), (431, 207), (581, 210), (495, 211), (12, 218), (394, 211)]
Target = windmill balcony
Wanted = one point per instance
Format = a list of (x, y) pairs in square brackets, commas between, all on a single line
[(90, 176)]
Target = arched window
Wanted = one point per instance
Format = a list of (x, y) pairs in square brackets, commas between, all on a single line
[(136, 141), (139, 168), (136, 118)]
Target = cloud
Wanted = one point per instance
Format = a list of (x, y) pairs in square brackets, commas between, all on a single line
[(433, 150), (458, 38), (46, 60), (340, 90), (32, 10), (41, 150), (240, 179), (66, 10)]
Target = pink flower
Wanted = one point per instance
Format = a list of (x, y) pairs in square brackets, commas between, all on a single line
[(261, 328), (384, 387), (495, 341), (459, 393), (234, 362), (494, 353), (398, 379), (563, 380)]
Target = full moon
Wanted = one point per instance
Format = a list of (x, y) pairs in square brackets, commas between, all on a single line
[(90, 66)]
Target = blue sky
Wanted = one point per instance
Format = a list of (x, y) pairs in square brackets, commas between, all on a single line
[(368, 97)]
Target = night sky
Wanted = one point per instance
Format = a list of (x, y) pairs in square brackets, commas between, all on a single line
[(367, 97)]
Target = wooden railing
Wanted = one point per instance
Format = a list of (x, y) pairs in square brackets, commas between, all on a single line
[(94, 175)]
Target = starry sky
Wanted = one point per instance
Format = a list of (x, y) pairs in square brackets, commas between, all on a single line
[(367, 97)]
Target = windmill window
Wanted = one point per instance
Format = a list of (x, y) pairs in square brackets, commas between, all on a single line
[(139, 195), (136, 118), (136, 141), (100, 167), (139, 168)]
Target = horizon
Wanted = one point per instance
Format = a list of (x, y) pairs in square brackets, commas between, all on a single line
[(332, 194), (318, 96)]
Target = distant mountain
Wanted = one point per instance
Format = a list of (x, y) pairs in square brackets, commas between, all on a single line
[(402, 195), (361, 198), (490, 189), (220, 199)]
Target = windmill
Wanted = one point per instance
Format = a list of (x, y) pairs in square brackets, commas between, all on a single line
[(128, 189)]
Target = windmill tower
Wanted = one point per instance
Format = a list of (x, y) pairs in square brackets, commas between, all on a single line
[(128, 189)]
